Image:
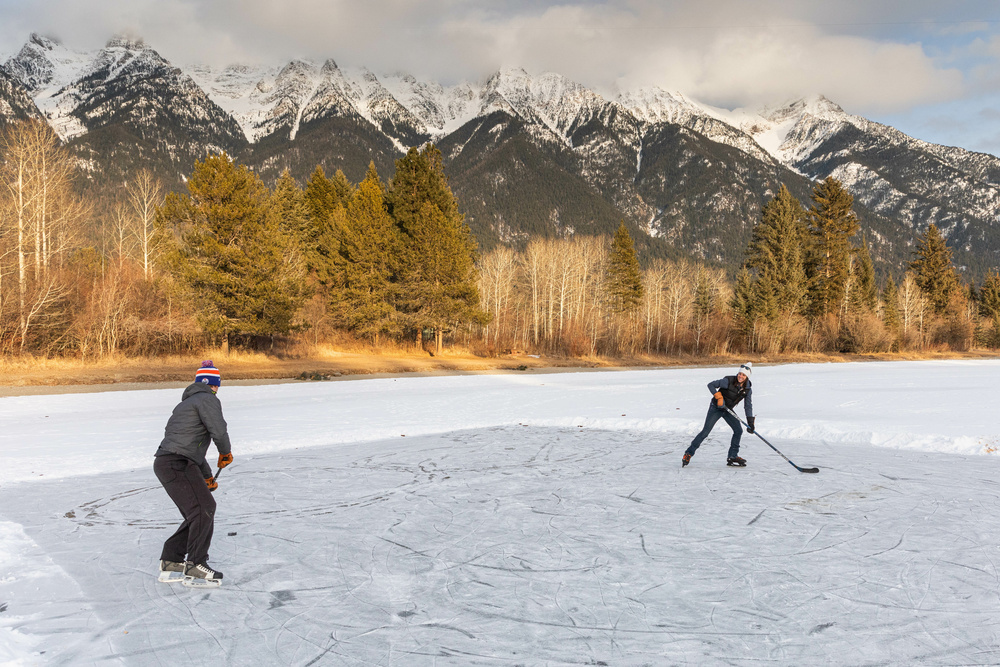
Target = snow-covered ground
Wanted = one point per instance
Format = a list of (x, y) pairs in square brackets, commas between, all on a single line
[(523, 519)]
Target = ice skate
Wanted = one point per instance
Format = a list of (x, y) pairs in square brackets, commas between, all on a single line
[(171, 572), (200, 575), (736, 462), (686, 459)]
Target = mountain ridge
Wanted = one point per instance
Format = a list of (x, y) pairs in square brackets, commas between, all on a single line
[(677, 170)]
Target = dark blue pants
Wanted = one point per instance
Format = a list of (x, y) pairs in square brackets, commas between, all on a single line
[(714, 415)]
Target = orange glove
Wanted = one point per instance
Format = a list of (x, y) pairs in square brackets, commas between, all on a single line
[(212, 484), (718, 399), (224, 460)]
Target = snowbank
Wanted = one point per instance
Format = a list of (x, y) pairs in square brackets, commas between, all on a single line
[(926, 405)]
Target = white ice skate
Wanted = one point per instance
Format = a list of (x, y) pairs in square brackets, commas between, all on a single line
[(171, 572)]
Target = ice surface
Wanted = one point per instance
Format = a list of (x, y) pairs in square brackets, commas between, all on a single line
[(523, 519)]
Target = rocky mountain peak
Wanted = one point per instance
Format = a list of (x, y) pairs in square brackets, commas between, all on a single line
[(126, 41), (36, 64), (817, 106), (43, 42)]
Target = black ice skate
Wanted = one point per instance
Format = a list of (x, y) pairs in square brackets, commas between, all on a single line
[(200, 575), (171, 572), (736, 462)]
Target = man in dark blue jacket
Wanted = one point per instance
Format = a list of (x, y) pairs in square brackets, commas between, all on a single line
[(726, 395), (181, 467)]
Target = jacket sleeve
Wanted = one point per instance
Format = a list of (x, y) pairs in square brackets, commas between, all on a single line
[(716, 385), (206, 470), (748, 403), (210, 412)]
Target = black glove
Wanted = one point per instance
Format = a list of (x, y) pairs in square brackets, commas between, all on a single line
[(750, 421)]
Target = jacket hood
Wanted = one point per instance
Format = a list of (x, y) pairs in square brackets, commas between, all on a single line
[(196, 388)]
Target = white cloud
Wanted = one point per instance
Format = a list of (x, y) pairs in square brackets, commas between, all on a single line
[(727, 52)]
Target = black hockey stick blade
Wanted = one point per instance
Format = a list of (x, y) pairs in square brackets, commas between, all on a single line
[(800, 469)]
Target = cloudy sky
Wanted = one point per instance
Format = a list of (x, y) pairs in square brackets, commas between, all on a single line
[(928, 67)]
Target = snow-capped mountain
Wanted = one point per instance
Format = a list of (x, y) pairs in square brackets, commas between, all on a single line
[(527, 154), (123, 104), (15, 103)]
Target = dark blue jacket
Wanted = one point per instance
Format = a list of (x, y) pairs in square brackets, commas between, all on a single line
[(733, 393)]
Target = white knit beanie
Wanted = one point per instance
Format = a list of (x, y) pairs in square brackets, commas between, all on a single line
[(746, 369)]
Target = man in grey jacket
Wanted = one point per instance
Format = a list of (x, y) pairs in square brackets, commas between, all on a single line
[(181, 467)]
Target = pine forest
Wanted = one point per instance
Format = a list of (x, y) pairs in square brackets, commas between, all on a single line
[(230, 259)]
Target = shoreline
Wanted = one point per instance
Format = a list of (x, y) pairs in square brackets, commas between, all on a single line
[(8, 391), (46, 377)]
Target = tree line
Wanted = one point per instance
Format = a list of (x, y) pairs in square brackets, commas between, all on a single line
[(236, 260)]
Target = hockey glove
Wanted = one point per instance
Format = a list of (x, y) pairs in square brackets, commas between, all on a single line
[(719, 400), (224, 460), (750, 421), (212, 484)]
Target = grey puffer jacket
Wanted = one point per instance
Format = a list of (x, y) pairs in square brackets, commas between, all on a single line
[(196, 420)]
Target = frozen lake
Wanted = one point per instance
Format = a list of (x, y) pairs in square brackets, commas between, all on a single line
[(533, 519)]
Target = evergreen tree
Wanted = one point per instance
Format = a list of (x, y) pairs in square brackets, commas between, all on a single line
[(438, 282), (293, 213), (230, 252), (832, 223), (704, 303), (932, 269), (704, 294), (989, 296), (776, 250), (624, 279), (765, 298), (864, 295), (890, 308), (342, 188), (325, 200), (369, 248), (323, 195), (743, 303), (989, 308)]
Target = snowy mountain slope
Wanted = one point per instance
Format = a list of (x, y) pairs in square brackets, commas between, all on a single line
[(44, 66), (243, 92), (678, 171), (15, 103), (126, 107), (655, 106), (441, 110)]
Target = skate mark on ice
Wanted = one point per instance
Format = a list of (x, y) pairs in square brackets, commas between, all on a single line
[(894, 546), (754, 520), (444, 626), (631, 497), (821, 627), (279, 598), (403, 546)]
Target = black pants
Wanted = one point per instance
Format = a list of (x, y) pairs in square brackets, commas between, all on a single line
[(186, 487)]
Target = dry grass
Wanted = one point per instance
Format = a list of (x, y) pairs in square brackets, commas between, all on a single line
[(361, 359)]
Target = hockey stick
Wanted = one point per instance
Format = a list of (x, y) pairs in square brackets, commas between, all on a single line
[(729, 410)]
